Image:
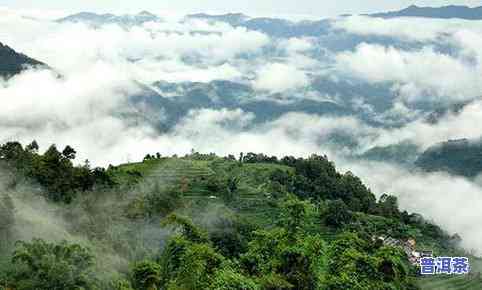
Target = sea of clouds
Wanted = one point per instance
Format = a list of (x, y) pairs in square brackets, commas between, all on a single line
[(97, 69)]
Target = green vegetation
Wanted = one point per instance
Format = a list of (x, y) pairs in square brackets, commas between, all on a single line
[(203, 222)]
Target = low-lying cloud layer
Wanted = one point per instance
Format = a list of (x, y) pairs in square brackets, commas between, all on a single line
[(424, 73)]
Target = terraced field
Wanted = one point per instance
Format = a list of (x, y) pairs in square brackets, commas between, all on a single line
[(175, 170), (473, 281), (252, 201), (191, 176), (469, 282), (178, 171)]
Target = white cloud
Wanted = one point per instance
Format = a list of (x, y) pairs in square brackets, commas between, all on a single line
[(297, 45), (74, 47), (86, 107), (407, 28), (279, 77), (422, 73), (424, 134), (101, 67)]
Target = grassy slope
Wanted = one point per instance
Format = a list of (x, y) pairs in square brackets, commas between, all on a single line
[(253, 203), (175, 171)]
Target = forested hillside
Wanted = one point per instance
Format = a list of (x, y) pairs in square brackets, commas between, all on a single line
[(460, 157), (13, 63), (444, 12), (201, 222)]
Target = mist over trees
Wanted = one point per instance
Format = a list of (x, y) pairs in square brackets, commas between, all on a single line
[(200, 222)]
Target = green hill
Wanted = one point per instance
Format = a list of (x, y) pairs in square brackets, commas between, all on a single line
[(206, 222)]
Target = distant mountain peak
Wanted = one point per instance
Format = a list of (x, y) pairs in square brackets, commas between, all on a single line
[(456, 156), (146, 13), (231, 18), (232, 15), (126, 20), (443, 12)]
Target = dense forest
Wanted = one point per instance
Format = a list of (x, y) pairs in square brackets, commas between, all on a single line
[(200, 222)]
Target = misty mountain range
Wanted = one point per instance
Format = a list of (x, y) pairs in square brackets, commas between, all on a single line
[(457, 157), (163, 104), (460, 157), (274, 26), (445, 12), (126, 20), (177, 99), (271, 26)]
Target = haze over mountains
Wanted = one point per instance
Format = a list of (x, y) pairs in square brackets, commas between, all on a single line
[(461, 157), (374, 93), (445, 12), (126, 20), (275, 26), (373, 102), (291, 82)]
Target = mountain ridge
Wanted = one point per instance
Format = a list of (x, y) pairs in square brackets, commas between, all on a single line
[(460, 157), (97, 20), (442, 12), (14, 62)]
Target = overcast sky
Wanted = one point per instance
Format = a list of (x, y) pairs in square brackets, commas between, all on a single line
[(317, 8)]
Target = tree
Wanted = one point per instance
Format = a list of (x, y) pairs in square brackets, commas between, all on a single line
[(161, 201), (188, 230), (46, 266), (7, 219), (337, 214), (350, 266), (32, 147), (303, 264), (391, 264), (388, 206), (53, 170), (121, 284), (148, 157), (146, 275), (354, 193), (229, 279), (69, 152), (355, 264), (232, 187), (231, 235), (188, 261), (199, 267), (287, 257), (294, 216)]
